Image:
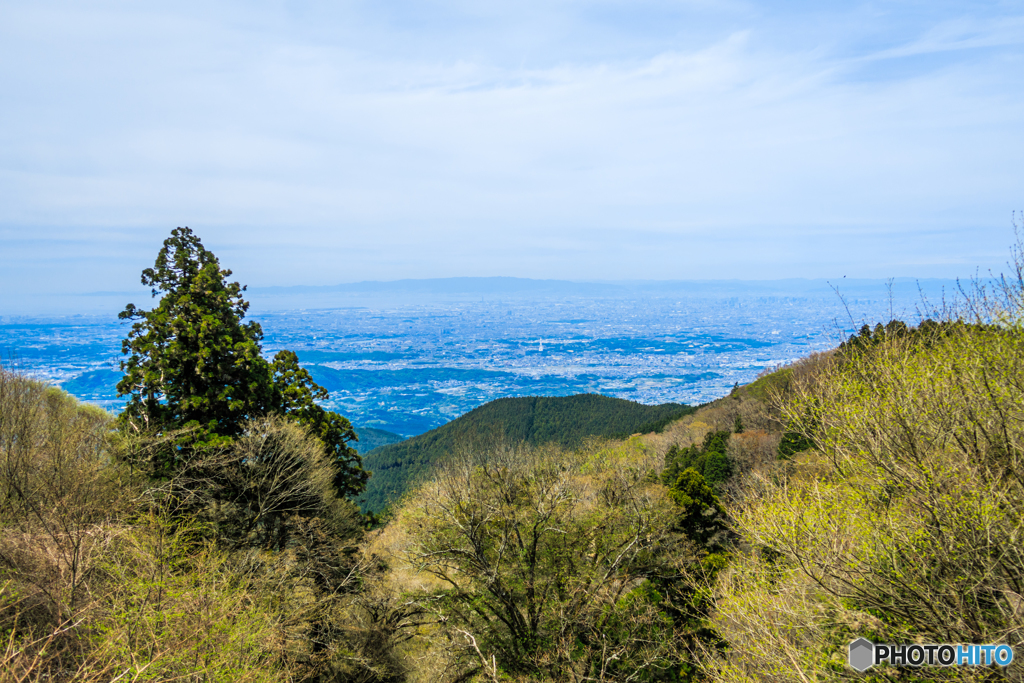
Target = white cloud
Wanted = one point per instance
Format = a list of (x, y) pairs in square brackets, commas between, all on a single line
[(550, 140)]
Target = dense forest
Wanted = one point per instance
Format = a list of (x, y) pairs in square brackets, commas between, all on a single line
[(209, 532), (563, 420), (370, 438)]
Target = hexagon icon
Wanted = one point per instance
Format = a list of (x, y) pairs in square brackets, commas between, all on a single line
[(862, 654)]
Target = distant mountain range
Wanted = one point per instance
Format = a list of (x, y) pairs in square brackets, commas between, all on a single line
[(564, 420), (448, 290), (513, 287), (107, 303)]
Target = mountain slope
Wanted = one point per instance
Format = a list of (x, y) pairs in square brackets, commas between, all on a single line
[(565, 420), (370, 438)]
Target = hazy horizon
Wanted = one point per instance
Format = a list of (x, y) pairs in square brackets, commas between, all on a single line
[(327, 142), (395, 293)]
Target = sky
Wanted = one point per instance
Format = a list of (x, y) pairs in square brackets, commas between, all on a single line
[(317, 143)]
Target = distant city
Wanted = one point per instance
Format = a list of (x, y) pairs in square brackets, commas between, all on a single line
[(410, 356)]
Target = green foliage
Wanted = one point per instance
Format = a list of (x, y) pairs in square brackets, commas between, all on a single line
[(793, 443), (867, 337), (768, 384), (895, 513), (703, 519), (257, 491), (370, 438), (925, 334), (563, 420), (192, 360), (176, 607), (903, 522), (54, 490), (193, 364), (242, 566), (548, 561), (710, 460), (295, 394), (658, 425)]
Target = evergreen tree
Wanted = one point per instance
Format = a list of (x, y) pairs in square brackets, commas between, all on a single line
[(792, 443), (702, 517), (193, 363), (711, 460), (192, 360), (294, 394)]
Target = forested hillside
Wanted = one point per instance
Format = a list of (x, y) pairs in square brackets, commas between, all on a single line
[(750, 540), (370, 438), (562, 420), (873, 491)]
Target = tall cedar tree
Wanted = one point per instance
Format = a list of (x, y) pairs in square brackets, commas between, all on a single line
[(193, 363)]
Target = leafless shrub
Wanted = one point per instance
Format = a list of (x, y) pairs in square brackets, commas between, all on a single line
[(543, 555), (57, 495)]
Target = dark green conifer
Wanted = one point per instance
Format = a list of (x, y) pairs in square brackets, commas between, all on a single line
[(194, 364)]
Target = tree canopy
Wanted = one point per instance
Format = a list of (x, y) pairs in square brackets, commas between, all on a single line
[(193, 363), (565, 420)]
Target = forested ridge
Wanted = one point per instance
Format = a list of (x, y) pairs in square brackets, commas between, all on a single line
[(370, 438), (562, 420), (210, 532)]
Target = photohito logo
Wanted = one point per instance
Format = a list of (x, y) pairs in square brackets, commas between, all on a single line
[(864, 654)]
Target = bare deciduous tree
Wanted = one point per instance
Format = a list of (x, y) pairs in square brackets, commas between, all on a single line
[(546, 556)]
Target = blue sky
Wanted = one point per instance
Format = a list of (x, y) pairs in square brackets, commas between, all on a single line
[(327, 142)]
